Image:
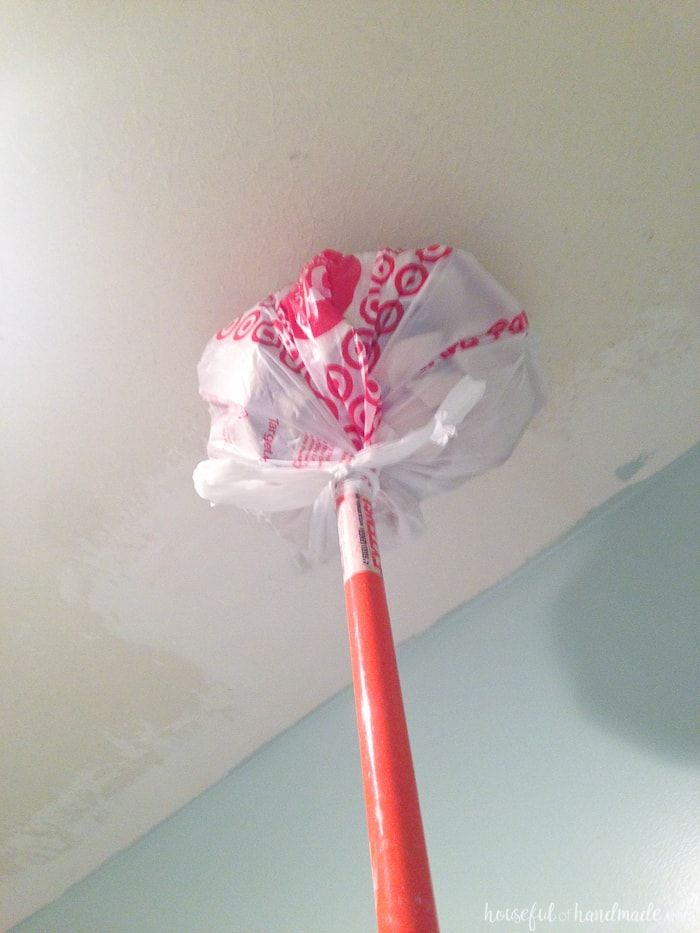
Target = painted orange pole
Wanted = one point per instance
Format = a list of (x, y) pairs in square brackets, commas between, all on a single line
[(403, 891)]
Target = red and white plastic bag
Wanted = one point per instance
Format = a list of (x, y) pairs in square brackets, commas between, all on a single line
[(414, 368)]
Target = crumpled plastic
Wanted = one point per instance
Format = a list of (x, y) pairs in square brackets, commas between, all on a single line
[(412, 368)]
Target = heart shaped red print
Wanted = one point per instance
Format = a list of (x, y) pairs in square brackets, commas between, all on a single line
[(324, 292)]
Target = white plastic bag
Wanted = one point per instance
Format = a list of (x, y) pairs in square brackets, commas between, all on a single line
[(413, 367)]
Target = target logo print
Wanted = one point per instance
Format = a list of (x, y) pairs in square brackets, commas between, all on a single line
[(383, 267), (326, 339), (372, 391), (371, 348), (433, 252), (266, 333), (364, 416), (354, 435), (246, 324), (410, 278), (354, 350), (227, 331), (357, 413), (339, 380), (389, 316), (290, 359), (369, 309)]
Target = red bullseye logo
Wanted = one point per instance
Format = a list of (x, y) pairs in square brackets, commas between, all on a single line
[(354, 435), (227, 331), (246, 324), (409, 279), (369, 308), (433, 252), (354, 351), (357, 413), (371, 348), (389, 316), (266, 333), (372, 391), (339, 381), (290, 359), (383, 267)]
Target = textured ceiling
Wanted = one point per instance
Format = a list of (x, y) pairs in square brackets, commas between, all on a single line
[(163, 166)]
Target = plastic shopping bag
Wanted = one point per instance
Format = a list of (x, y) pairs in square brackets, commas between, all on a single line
[(412, 367)]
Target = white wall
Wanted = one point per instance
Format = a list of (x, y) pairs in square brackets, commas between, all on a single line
[(554, 725)]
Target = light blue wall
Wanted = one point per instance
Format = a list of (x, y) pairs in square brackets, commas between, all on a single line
[(556, 732)]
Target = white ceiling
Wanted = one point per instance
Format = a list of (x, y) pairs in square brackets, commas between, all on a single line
[(164, 165)]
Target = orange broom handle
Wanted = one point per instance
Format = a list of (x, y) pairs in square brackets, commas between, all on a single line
[(403, 892)]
